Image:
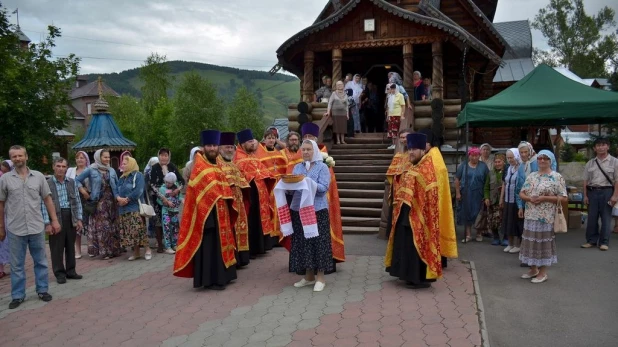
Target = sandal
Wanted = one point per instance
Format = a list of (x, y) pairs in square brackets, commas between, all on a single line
[(467, 239)]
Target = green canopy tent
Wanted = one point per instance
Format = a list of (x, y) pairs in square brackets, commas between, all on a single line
[(543, 98)]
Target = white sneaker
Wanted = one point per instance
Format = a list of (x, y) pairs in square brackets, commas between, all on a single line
[(303, 283), (514, 250), (319, 286), (391, 147), (508, 249), (170, 251)]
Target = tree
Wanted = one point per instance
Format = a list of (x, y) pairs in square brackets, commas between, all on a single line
[(157, 81), (575, 37), (540, 56), (245, 112), (567, 152), (33, 92), (196, 107)]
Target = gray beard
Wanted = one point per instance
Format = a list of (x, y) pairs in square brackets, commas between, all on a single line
[(227, 157)]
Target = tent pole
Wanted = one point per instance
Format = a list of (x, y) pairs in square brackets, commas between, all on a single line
[(464, 193)]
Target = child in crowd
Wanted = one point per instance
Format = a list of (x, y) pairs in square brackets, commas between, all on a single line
[(170, 204)]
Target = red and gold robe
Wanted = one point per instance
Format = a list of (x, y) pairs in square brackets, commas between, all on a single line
[(400, 163), (334, 214), (207, 189), (293, 159), (277, 163), (419, 189), (448, 238), (254, 171), (240, 189)]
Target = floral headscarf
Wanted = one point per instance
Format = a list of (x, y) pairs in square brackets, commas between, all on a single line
[(98, 165), (531, 151)]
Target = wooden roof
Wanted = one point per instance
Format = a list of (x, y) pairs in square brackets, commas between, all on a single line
[(443, 24)]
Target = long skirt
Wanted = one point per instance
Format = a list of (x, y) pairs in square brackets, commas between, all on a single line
[(512, 225), (538, 244), (258, 242), (102, 228), (208, 266), (340, 124), (315, 253), (132, 230), (406, 264), (469, 207)]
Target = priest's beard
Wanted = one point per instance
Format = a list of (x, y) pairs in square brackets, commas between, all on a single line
[(294, 148), (249, 148), (211, 155), (226, 156)]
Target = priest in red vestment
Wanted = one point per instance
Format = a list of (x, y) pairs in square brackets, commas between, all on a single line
[(241, 190), (413, 251), (262, 182), (206, 247)]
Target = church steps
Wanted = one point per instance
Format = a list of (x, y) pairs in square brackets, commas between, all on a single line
[(360, 177), (360, 194), (350, 230), (361, 212), (362, 202), (360, 222), (365, 146), (361, 185), (366, 155), (361, 169), (383, 150), (362, 162)]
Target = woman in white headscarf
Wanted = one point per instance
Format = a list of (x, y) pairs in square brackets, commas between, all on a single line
[(81, 163), (357, 88), (512, 224), (186, 171), (103, 195), (311, 254)]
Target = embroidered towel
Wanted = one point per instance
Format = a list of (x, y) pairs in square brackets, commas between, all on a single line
[(307, 188)]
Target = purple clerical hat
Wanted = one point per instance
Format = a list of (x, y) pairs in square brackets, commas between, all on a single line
[(227, 139), (244, 136), (311, 128), (417, 141), (210, 137)]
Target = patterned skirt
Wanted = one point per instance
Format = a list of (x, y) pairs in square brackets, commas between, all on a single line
[(538, 244), (315, 253), (494, 217), (132, 230)]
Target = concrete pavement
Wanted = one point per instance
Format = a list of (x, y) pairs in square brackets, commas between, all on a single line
[(122, 303)]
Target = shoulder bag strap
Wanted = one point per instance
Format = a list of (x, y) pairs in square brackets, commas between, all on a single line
[(603, 171)]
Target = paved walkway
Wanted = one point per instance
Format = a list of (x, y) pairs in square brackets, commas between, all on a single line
[(140, 303)]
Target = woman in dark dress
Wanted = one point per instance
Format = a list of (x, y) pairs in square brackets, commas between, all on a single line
[(311, 253)]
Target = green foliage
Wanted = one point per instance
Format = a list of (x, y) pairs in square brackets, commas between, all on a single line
[(245, 112), (33, 92), (567, 153), (580, 158), (576, 38), (611, 130), (196, 107), (156, 80)]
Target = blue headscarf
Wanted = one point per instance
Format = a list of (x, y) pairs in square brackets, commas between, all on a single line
[(551, 157)]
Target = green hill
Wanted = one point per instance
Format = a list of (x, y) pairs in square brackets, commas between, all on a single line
[(274, 92)]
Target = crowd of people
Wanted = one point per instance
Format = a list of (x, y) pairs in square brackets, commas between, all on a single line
[(355, 107), (215, 217)]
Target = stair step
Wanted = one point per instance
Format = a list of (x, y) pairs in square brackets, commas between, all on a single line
[(368, 136), (367, 140), (360, 194), (360, 222), (360, 177), (365, 146), (361, 212), (366, 156), (360, 202), (360, 152), (362, 185), (350, 230), (361, 162), (361, 169)]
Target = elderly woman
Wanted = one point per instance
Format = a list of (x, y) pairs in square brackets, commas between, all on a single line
[(130, 223), (512, 224), (338, 109), (5, 167), (493, 203), (470, 181), (528, 158), (82, 162), (102, 229), (542, 192), (486, 156), (312, 254)]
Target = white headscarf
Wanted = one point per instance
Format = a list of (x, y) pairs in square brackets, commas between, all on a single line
[(317, 155), (98, 164), (517, 157), (151, 163), (192, 155)]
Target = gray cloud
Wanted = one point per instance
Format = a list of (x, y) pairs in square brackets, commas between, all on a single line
[(239, 33)]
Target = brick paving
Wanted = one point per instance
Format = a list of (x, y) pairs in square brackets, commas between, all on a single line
[(122, 303)]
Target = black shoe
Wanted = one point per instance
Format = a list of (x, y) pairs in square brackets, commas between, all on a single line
[(45, 297), (419, 286), (61, 280), (15, 303), (75, 277), (216, 287)]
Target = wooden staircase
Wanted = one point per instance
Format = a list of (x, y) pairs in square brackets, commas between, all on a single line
[(360, 169)]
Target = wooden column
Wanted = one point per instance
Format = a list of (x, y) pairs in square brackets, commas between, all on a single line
[(438, 71), (408, 68), (308, 77), (337, 56)]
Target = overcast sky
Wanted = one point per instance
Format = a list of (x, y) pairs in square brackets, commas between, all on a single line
[(115, 35)]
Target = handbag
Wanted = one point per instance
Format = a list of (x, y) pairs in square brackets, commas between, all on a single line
[(89, 207), (560, 224), (145, 210)]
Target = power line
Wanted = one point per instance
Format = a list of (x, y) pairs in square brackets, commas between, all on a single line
[(149, 47)]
